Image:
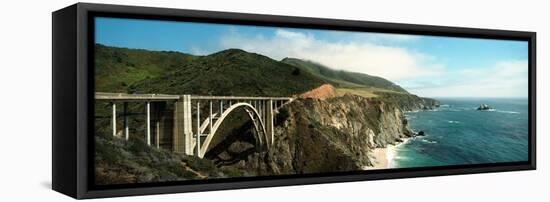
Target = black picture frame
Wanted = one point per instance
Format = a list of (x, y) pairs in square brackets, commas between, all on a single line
[(72, 99)]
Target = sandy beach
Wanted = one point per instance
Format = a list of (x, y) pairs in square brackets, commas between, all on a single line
[(383, 157)]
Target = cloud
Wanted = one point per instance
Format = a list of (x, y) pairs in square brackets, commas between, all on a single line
[(382, 38), (196, 50), (383, 55), (365, 56), (503, 79)]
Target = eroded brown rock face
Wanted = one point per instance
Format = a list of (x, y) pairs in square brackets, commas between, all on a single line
[(328, 135), (322, 92)]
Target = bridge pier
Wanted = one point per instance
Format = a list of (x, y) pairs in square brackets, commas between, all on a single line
[(183, 134), (198, 137), (126, 127), (159, 120), (157, 138), (113, 119), (269, 121), (188, 130), (148, 124), (221, 107), (210, 121)]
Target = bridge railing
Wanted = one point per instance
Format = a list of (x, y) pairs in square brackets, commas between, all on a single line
[(135, 97)]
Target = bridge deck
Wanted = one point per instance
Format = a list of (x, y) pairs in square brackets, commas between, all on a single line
[(165, 97), (134, 97), (202, 97)]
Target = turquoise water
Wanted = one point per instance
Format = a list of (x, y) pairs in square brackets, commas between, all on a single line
[(458, 134)]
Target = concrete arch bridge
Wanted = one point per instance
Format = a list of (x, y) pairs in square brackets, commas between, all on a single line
[(182, 127)]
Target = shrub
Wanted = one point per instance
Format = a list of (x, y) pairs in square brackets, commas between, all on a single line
[(296, 72), (282, 115)]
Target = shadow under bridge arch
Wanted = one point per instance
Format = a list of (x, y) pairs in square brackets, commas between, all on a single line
[(259, 126)]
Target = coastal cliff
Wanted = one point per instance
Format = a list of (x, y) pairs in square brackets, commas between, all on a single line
[(330, 135), (335, 134)]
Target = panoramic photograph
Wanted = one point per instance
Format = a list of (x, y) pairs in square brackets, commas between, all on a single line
[(180, 101)]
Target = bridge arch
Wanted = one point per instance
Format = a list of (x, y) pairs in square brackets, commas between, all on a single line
[(259, 126)]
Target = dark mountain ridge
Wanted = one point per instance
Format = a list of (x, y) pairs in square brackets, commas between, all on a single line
[(231, 72), (341, 78)]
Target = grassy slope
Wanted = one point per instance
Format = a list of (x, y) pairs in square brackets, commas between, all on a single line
[(118, 68), (232, 72), (229, 72)]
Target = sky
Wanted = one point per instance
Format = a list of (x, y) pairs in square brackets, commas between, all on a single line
[(429, 66)]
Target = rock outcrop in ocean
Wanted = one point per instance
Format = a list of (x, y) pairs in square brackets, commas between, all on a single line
[(484, 107)]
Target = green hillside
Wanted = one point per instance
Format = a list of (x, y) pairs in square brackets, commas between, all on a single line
[(118, 68), (228, 72), (344, 79), (232, 72)]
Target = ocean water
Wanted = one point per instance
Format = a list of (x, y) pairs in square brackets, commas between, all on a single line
[(458, 134)]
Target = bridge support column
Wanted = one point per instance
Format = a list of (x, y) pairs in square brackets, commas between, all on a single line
[(157, 138), (183, 134), (188, 124), (221, 107), (126, 127), (210, 121), (148, 124), (114, 119), (269, 121), (198, 138)]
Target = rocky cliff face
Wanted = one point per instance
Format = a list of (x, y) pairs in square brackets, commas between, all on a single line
[(409, 102), (328, 135), (335, 134)]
